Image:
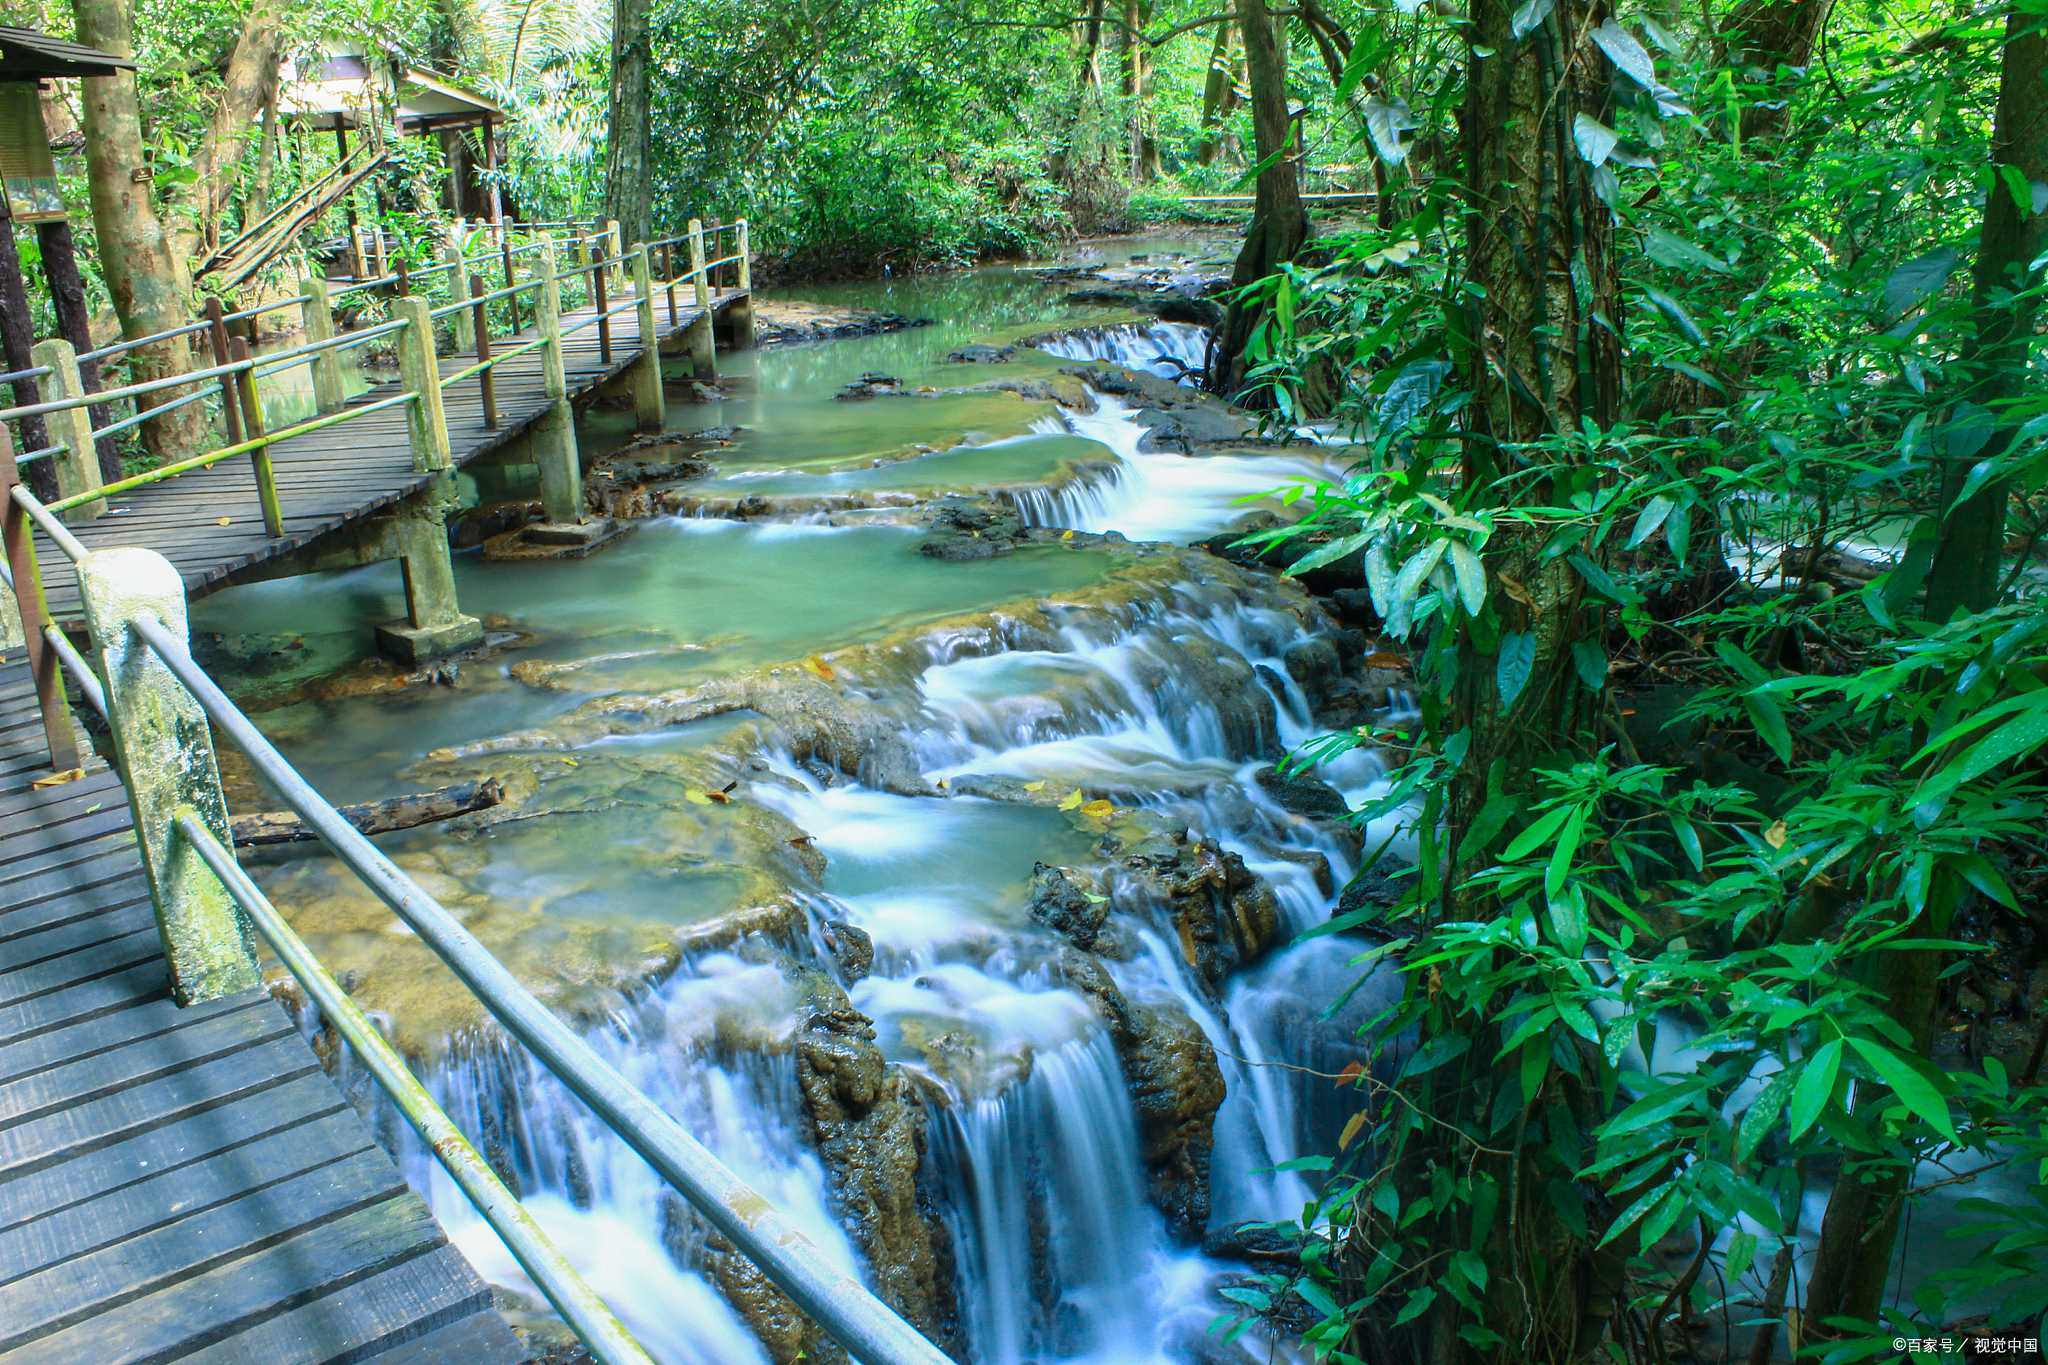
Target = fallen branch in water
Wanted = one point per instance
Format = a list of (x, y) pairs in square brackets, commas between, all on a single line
[(372, 817)]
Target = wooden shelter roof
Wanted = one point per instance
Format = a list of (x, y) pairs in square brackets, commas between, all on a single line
[(26, 55)]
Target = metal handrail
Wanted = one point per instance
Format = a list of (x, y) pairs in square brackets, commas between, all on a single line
[(595, 1324), (17, 376), (847, 1310), (74, 663), (73, 548), (496, 357)]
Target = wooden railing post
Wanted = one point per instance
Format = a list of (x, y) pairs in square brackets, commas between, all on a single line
[(377, 245), (357, 268), (328, 393), (668, 274), (17, 536), (486, 386), (165, 751), (217, 332), (421, 372), (561, 467), (601, 295), (78, 463), (703, 347), (648, 412), (511, 300), (259, 458), (458, 287)]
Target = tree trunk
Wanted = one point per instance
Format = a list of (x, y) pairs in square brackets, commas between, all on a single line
[(197, 210), (1219, 92), (1972, 540), (149, 284), (74, 320), (629, 190), (1776, 33), (257, 207), (17, 339), (1279, 226)]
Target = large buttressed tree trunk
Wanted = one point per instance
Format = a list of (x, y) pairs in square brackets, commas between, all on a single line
[(148, 280), (1279, 227), (217, 164), (629, 188)]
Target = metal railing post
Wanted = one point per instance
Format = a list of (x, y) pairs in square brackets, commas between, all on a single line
[(78, 463), (511, 280), (481, 329), (420, 371), (703, 347), (328, 393), (555, 450), (17, 536), (165, 751), (259, 458), (648, 410)]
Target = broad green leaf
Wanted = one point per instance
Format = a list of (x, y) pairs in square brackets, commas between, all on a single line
[(1678, 533), (1418, 1304), (1568, 924), (1560, 864), (1652, 516), (1546, 825), (1385, 122), (1763, 1112), (1417, 570), (1528, 17), (2016, 185), (1675, 312), (1667, 248), (1471, 577), (1741, 1253), (1595, 139), (2007, 742), (1913, 1088), (1626, 53), (1379, 577), (1591, 660), (1516, 660), (1917, 280), (1770, 724), (1327, 554)]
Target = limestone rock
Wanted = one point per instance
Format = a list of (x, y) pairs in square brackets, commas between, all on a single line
[(1226, 917), (1064, 901), (1176, 1087), (1302, 794)]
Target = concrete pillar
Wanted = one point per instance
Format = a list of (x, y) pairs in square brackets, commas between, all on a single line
[(458, 288), (78, 464), (554, 436), (318, 314), (166, 755), (434, 623), (649, 412), (420, 371), (739, 318), (698, 337)]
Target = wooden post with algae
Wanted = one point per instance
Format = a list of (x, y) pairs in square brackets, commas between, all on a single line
[(649, 414)]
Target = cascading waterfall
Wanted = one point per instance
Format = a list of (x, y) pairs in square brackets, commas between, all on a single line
[(1034, 1152), (1171, 350)]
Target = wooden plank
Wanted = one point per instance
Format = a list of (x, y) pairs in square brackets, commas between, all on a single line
[(117, 990), (57, 1295), (85, 964), (196, 1305), (28, 955), (479, 1339), (383, 1318), (85, 1081), (89, 879), (94, 1225), (299, 1105), (65, 1134), (99, 1033)]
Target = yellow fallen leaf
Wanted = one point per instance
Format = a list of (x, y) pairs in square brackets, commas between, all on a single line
[(1098, 810), (697, 798), (57, 779), (1351, 1071), (570, 761), (820, 667), (1385, 660), (1073, 801), (1037, 786), (1351, 1127), (1775, 835), (225, 520), (1066, 535)]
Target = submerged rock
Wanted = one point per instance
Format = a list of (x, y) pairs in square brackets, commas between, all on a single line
[(870, 1133), (1062, 899), (1224, 915), (981, 353), (1302, 794)]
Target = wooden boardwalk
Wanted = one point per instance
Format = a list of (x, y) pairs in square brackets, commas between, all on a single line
[(329, 478), (182, 1185)]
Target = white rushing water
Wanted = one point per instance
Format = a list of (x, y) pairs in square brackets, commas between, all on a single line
[(1172, 350), (1034, 1156)]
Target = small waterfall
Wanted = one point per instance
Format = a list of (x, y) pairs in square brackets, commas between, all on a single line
[(1172, 350)]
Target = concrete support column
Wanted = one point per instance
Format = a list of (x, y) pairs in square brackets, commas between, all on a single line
[(554, 437), (78, 463), (458, 288), (703, 345), (434, 623), (165, 751), (739, 319), (318, 315), (420, 370), (649, 412)]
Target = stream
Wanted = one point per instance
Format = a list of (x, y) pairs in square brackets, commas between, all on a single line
[(940, 896)]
